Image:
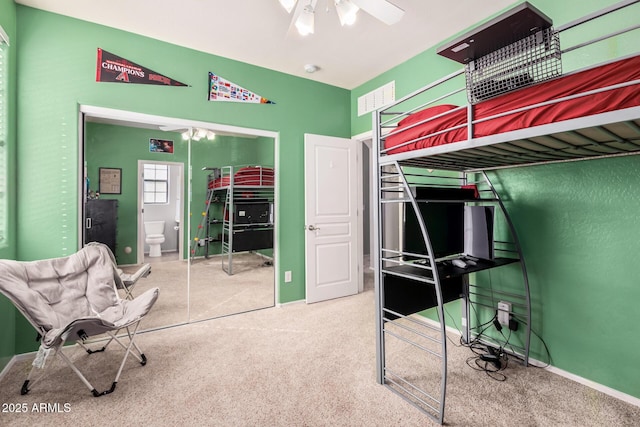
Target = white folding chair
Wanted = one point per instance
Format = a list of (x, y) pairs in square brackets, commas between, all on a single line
[(129, 280), (71, 299)]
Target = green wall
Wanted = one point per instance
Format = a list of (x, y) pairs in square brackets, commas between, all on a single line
[(56, 73), (579, 233), (110, 146), (7, 312), (577, 223)]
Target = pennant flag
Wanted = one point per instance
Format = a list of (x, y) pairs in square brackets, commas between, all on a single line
[(112, 68), (223, 90)]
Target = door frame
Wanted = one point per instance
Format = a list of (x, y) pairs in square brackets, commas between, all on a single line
[(366, 138), (140, 216)]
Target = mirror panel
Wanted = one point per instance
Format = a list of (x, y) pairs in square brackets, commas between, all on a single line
[(128, 149), (231, 274)]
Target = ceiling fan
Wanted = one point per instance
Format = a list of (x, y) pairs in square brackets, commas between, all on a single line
[(303, 12)]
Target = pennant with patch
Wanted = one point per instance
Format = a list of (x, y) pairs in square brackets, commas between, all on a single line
[(223, 90)]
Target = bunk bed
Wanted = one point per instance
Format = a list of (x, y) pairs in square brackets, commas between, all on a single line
[(245, 194), (597, 90), (437, 205)]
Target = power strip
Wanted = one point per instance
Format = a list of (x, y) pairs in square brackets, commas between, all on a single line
[(504, 313)]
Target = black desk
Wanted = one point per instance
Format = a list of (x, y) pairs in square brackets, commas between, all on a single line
[(407, 289)]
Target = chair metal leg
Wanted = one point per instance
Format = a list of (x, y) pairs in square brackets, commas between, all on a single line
[(127, 348), (77, 371), (140, 356), (38, 364), (29, 382), (90, 351), (113, 337)]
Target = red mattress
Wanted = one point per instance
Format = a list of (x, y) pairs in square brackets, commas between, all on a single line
[(617, 72), (255, 176)]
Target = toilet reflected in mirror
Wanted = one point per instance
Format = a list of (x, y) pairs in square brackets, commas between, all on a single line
[(154, 237)]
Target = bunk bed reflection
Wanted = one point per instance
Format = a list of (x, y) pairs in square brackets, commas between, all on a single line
[(243, 221), (516, 115)]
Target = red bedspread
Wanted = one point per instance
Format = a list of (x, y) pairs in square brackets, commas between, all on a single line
[(254, 176), (599, 77)]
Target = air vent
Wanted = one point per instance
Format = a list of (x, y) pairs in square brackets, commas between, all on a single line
[(377, 98)]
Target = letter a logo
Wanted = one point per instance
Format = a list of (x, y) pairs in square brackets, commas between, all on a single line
[(123, 77)]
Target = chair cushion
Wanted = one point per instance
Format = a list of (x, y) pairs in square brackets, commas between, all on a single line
[(55, 293)]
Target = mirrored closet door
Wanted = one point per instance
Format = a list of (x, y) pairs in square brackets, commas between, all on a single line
[(147, 194)]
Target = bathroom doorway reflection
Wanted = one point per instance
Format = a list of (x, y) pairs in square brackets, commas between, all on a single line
[(161, 194)]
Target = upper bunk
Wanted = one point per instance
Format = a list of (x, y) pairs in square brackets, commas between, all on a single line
[(241, 177), (520, 108)]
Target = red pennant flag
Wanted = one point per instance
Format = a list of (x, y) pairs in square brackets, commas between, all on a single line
[(112, 68)]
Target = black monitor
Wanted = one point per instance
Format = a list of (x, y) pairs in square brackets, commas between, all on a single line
[(445, 226), (252, 211)]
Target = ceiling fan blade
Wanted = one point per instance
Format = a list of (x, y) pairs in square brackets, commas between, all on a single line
[(298, 11), (383, 10), (167, 128)]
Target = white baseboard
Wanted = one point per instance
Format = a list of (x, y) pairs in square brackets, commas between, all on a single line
[(8, 367), (14, 360), (591, 384), (283, 304), (584, 381)]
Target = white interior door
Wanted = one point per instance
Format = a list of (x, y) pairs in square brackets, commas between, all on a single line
[(331, 218)]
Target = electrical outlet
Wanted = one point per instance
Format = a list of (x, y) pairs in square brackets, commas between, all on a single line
[(504, 313), (287, 276)]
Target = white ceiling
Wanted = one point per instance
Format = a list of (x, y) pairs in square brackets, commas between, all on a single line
[(258, 31)]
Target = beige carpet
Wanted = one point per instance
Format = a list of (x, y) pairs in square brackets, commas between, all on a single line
[(213, 293), (297, 365)]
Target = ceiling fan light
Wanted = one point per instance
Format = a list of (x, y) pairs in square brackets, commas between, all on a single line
[(305, 21), (186, 135), (347, 12), (288, 4), (201, 133), (211, 135)]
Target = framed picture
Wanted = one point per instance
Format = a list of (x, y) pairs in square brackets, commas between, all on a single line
[(110, 180), (160, 145)]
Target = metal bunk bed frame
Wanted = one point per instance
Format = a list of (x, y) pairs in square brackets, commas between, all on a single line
[(229, 194), (232, 193), (615, 133)]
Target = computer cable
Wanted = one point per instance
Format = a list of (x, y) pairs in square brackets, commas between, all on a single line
[(544, 344)]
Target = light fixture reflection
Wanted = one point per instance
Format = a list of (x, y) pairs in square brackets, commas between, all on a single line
[(196, 134)]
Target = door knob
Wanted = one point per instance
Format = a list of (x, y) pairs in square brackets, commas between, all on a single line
[(313, 228)]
